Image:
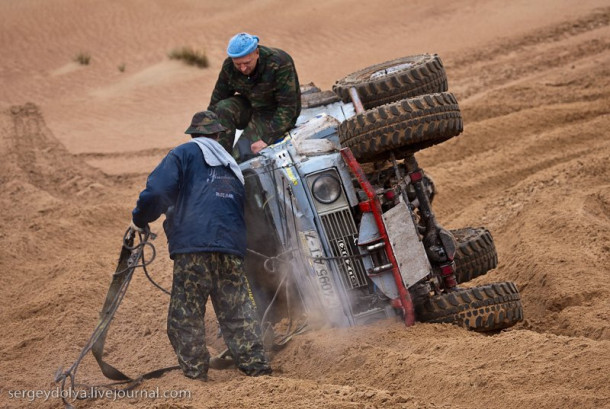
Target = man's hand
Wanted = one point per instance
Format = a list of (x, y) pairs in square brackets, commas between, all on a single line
[(133, 227), (258, 146)]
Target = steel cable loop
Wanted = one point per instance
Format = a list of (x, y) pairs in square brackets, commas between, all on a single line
[(145, 241)]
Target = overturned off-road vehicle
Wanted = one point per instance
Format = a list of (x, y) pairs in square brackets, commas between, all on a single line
[(340, 225)]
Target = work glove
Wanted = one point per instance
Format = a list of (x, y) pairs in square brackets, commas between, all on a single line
[(134, 228)]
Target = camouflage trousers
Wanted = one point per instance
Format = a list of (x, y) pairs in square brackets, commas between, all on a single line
[(237, 113), (221, 277)]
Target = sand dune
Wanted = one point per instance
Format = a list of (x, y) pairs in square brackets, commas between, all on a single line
[(533, 166)]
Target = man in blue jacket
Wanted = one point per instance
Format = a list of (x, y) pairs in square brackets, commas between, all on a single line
[(200, 189)]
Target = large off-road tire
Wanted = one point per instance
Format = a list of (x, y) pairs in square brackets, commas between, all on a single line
[(484, 308), (394, 80), (475, 254), (312, 96), (402, 127)]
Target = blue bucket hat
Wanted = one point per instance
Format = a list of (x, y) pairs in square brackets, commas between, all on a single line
[(242, 44)]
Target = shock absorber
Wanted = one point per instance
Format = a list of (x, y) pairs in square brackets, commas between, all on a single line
[(438, 242)]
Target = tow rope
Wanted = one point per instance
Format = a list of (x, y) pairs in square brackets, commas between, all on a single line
[(130, 258)]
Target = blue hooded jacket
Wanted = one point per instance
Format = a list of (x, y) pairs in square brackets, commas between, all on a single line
[(203, 205)]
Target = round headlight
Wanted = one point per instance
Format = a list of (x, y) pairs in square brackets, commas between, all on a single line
[(326, 189)]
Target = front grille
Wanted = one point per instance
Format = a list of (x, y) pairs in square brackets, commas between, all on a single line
[(342, 233)]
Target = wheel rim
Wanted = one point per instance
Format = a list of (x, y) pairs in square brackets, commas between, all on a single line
[(391, 70)]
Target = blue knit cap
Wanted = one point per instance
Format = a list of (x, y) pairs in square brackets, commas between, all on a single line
[(242, 44)]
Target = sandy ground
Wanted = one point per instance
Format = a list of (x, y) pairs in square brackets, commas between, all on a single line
[(533, 165)]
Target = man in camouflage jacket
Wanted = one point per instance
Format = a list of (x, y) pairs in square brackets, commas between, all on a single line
[(200, 189), (258, 91)]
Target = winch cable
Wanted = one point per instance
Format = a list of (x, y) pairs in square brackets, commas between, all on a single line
[(269, 265), (224, 359), (303, 327), (129, 258), (280, 341)]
